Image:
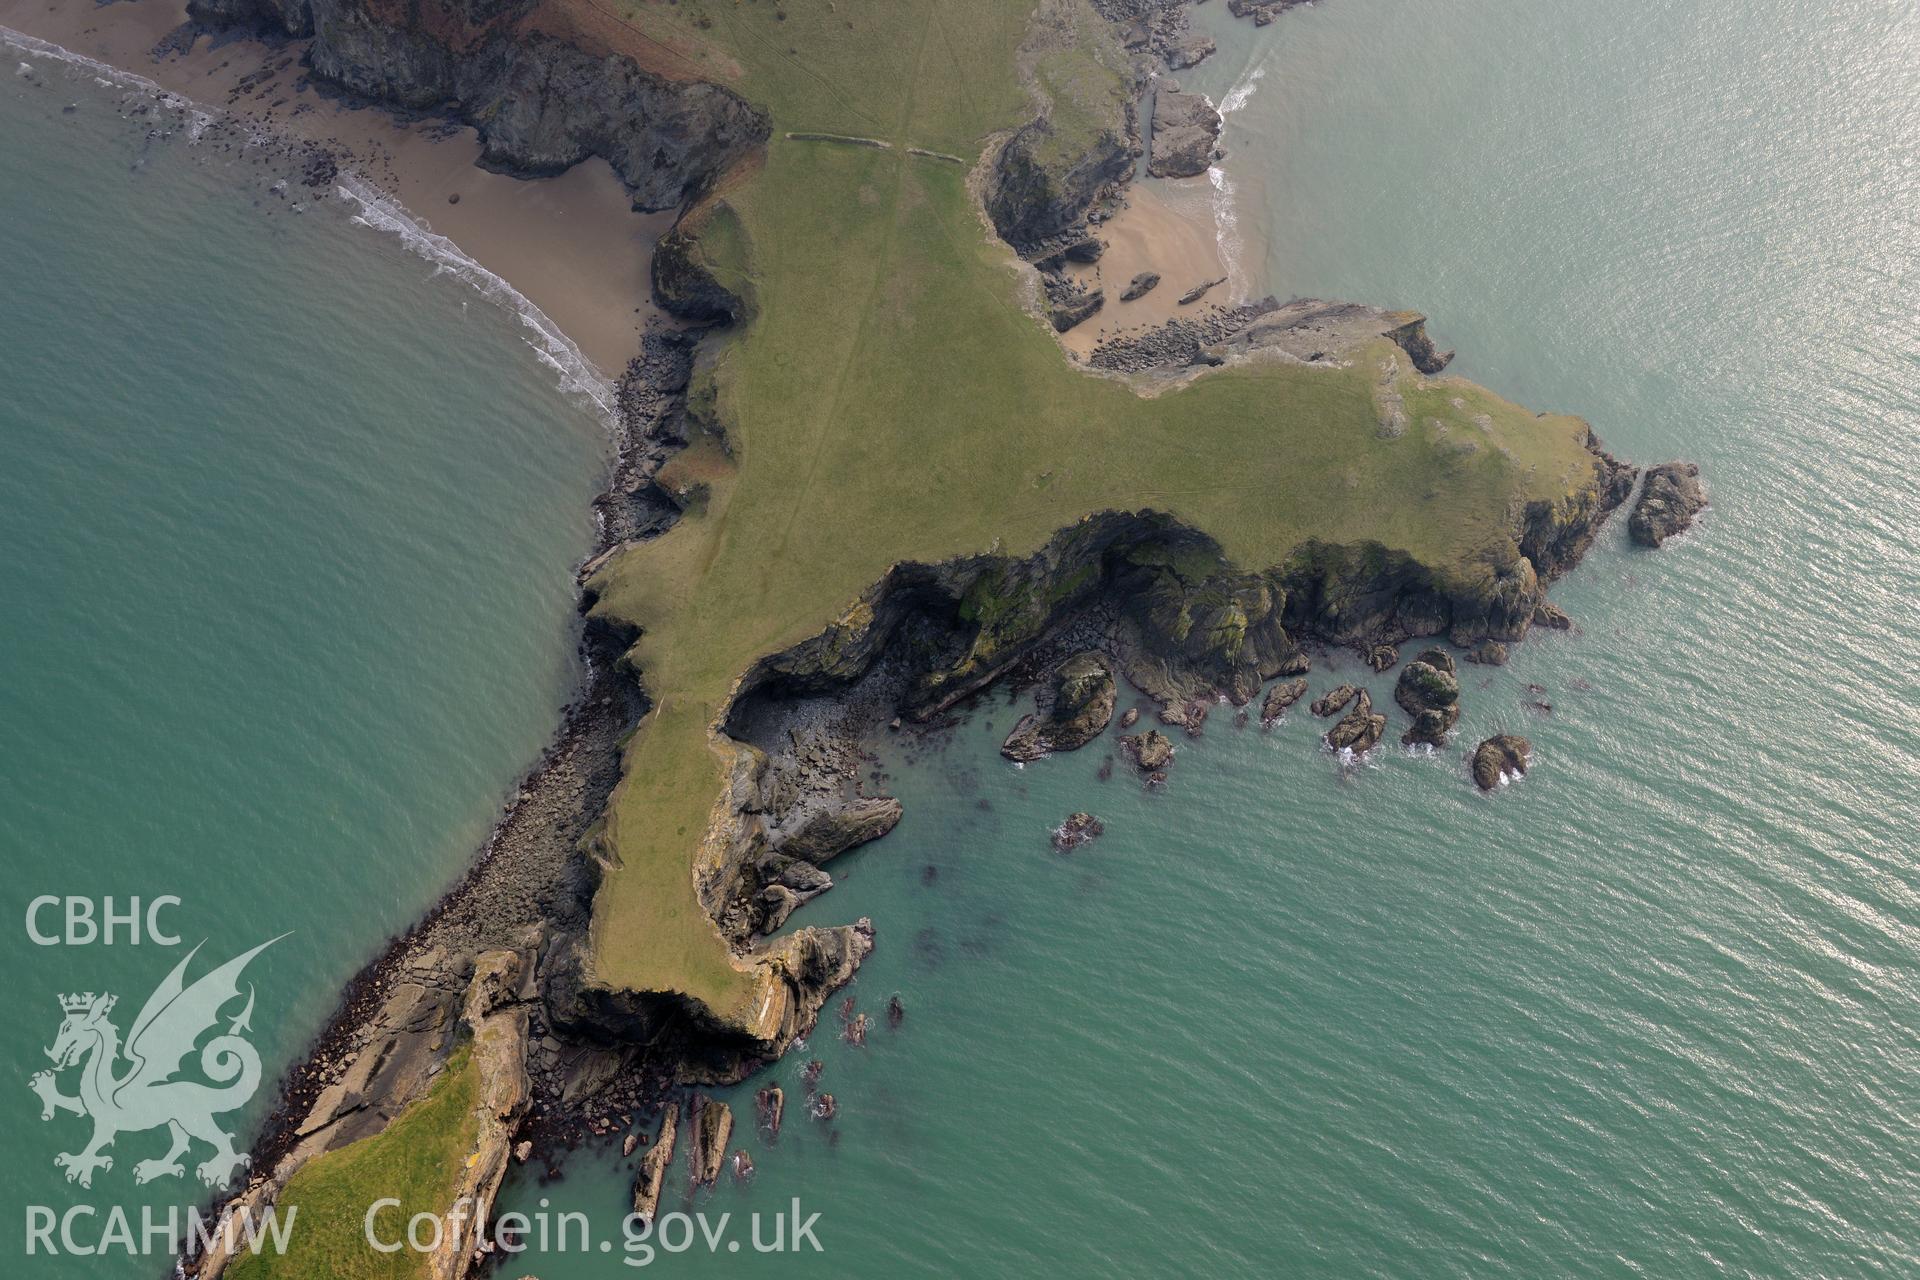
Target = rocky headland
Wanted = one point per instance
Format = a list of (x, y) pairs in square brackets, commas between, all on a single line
[(1119, 591)]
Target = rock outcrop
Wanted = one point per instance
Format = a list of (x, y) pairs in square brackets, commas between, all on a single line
[(1186, 129), (540, 103), (1077, 830), (1280, 697), (653, 1165), (1315, 329), (712, 1130), (1151, 751), (1429, 691), (1140, 286), (1083, 698), (1335, 700), (1673, 495), (771, 1104), (1499, 758), (1360, 729)]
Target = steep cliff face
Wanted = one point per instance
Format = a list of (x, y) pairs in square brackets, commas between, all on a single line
[(541, 104), (1041, 190), (282, 17), (1085, 135)]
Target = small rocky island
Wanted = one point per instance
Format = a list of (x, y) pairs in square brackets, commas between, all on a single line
[(1670, 499)]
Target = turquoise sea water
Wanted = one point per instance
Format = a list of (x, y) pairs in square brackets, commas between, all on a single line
[(1651, 1010), (288, 528)]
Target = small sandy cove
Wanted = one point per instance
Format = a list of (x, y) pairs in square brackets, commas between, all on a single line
[(1167, 227), (571, 244)]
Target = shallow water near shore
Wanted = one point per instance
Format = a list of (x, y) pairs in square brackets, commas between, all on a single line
[(289, 527), (1652, 1008)]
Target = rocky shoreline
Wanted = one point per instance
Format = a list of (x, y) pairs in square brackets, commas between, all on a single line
[(1136, 595)]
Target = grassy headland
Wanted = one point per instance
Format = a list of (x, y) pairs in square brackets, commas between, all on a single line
[(892, 399)]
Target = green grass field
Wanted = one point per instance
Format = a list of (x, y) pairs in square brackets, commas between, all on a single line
[(892, 399), (417, 1159)]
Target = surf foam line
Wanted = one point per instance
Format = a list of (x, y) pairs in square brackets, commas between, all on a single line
[(376, 209), (1226, 219), (548, 342)]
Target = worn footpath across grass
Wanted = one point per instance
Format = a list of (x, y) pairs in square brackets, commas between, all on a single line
[(892, 399)]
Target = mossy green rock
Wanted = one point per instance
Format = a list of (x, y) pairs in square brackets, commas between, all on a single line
[(1503, 755), (1423, 687)]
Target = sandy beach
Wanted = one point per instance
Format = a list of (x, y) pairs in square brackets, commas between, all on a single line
[(1167, 227), (571, 244)]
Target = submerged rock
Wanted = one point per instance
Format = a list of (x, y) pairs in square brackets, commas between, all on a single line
[(1552, 617), (1078, 829), (1503, 755), (1084, 693), (771, 1103), (1673, 495), (1280, 697), (1489, 653)]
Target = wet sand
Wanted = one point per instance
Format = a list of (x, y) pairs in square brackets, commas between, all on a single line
[(571, 244), (1167, 227)]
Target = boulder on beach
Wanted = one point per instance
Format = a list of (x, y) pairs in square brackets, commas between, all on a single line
[(1140, 286), (1671, 498), (1504, 755)]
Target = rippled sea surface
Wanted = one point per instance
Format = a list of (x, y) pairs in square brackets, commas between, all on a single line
[(1655, 1009), (1651, 1010), (288, 527)]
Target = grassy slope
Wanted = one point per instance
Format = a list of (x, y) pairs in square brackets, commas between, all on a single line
[(893, 400), (416, 1159)]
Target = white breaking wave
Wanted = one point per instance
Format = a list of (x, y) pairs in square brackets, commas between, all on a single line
[(1226, 219), (554, 348), (104, 74)]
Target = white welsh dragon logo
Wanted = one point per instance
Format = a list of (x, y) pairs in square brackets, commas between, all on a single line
[(146, 1095)]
